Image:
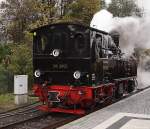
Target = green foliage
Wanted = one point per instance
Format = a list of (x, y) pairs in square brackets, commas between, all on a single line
[(4, 53), (23, 15), (3, 80), (18, 60), (6, 99), (81, 11), (122, 8), (5, 75), (43, 14), (21, 60)]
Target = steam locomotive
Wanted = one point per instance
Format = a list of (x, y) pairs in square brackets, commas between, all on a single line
[(77, 67)]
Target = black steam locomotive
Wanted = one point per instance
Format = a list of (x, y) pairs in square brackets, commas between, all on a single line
[(76, 66)]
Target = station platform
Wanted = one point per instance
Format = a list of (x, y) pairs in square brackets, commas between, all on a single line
[(130, 113)]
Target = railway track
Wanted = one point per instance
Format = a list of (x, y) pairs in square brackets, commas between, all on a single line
[(47, 121), (19, 115), (14, 124), (19, 108), (50, 120)]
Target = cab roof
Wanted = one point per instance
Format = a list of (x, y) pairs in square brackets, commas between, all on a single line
[(67, 23)]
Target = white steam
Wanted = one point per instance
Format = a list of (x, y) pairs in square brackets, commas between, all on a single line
[(102, 20), (143, 73), (134, 33)]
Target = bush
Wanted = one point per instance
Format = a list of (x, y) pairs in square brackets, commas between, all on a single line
[(18, 61), (6, 80), (21, 61)]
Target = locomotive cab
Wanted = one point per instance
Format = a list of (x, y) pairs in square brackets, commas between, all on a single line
[(61, 54)]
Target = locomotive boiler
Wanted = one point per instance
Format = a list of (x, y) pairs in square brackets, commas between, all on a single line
[(76, 67)]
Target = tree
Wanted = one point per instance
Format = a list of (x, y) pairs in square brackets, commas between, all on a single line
[(103, 4), (21, 61), (22, 15), (122, 8), (5, 52), (5, 79), (82, 11)]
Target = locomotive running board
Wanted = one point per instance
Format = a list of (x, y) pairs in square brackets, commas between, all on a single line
[(45, 108)]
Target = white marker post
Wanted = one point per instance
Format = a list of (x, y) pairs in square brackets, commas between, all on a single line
[(21, 89)]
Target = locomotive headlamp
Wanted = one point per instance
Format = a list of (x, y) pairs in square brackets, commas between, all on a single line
[(77, 74), (37, 73), (56, 52), (34, 34)]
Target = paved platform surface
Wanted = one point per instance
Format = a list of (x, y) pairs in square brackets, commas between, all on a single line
[(130, 113)]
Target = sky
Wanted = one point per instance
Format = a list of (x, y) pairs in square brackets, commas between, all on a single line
[(108, 1), (145, 4)]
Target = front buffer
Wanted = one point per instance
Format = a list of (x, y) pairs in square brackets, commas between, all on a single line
[(71, 99)]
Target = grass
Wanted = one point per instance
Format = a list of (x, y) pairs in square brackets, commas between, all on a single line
[(7, 101)]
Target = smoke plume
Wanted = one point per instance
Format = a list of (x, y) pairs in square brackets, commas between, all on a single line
[(134, 33)]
